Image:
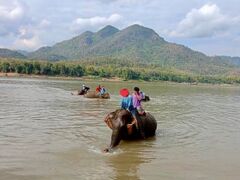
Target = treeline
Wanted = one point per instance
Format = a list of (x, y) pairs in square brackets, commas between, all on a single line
[(108, 69)]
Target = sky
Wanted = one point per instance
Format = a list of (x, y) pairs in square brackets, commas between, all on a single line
[(211, 27)]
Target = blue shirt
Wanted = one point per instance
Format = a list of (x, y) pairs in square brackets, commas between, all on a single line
[(102, 91), (126, 103)]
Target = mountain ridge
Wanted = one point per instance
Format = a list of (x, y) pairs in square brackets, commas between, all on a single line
[(137, 44), (5, 53)]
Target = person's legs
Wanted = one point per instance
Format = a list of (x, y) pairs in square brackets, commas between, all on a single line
[(130, 126), (140, 122), (141, 110), (134, 120)]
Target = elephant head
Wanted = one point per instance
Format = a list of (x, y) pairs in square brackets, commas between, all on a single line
[(117, 121)]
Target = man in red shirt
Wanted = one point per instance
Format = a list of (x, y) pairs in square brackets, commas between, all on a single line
[(98, 89)]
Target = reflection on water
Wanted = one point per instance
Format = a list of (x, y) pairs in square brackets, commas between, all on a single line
[(126, 164), (46, 133)]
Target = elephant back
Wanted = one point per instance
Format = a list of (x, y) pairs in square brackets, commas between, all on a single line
[(91, 94), (81, 92), (146, 98), (149, 124), (94, 94), (105, 96)]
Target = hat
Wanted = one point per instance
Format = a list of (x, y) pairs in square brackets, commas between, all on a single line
[(124, 92)]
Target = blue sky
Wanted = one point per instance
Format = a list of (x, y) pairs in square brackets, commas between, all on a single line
[(212, 27)]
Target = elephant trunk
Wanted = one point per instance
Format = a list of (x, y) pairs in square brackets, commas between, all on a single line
[(115, 139)]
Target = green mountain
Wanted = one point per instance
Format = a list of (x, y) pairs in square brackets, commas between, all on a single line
[(23, 52), (135, 44), (227, 59), (6, 53), (75, 48)]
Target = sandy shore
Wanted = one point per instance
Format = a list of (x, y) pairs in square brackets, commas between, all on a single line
[(114, 79)]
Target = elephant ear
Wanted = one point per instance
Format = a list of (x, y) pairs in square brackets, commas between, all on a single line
[(110, 116)]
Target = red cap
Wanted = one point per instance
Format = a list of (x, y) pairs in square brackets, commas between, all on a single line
[(124, 92)]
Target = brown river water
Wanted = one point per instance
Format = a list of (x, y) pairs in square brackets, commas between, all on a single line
[(47, 133)]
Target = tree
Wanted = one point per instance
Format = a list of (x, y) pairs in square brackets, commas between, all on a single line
[(5, 67)]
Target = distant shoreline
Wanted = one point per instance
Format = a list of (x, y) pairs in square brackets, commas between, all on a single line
[(113, 79)]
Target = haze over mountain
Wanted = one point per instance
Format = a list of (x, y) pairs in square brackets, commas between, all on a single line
[(136, 44)]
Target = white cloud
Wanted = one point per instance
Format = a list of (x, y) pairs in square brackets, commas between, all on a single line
[(27, 43), (11, 10), (204, 22), (12, 15), (28, 37), (81, 24), (135, 22), (17, 25), (44, 23)]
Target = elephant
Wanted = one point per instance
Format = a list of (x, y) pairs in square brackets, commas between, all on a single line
[(94, 94), (118, 120), (146, 98), (79, 92), (82, 92)]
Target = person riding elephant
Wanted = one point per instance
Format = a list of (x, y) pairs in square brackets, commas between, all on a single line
[(132, 103), (85, 88), (98, 88), (118, 121), (82, 91), (127, 103), (103, 91)]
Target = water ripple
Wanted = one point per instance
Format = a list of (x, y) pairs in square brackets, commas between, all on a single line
[(46, 131)]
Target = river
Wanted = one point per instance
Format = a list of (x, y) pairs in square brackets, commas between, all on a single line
[(47, 133)]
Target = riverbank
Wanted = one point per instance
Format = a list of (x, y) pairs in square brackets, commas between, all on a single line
[(112, 72), (85, 78), (112, 79)]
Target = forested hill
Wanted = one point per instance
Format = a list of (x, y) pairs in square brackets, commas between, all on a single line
[(227, 59), (78, 47), (135, 44), (6, 53)]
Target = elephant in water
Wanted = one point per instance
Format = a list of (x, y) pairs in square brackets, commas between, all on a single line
[(94, 94), (79, 92), (146, 98), (118, 121)]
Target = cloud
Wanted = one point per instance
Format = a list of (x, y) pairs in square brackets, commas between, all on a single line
[(44, 23), (27, 43), (81, 24), (18, 26), (129, 1), (126, 2), (28, 37), (135, 22), (12, 10), (206, 21), (12, 15)]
